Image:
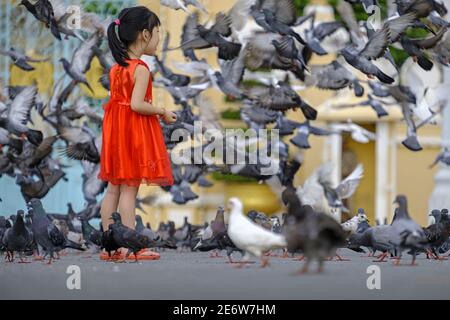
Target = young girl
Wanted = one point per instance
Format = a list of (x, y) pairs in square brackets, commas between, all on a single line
[(133, 149)]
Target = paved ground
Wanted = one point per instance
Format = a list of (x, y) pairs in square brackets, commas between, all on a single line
[(196, 276)]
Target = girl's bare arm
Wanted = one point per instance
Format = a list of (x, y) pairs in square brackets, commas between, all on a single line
[(141, 79)]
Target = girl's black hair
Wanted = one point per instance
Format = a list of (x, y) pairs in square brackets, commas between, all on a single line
[(132, 21)]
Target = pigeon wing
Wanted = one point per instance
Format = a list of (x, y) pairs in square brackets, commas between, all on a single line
[(348, 186), (19, 112), (83, 56), (284, 10), (377, 44), (222, 25), (398, 25), (430, 42), (239, 14)]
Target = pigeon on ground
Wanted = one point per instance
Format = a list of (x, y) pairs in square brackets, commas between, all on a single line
[(437, 233), (250, 237), (219, 242), (90, 234), (17, 239), (46, 234), (406, 233), (352, 224), (124, 237), (315, 234)]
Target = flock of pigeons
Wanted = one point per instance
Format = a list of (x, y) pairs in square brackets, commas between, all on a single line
[(254, 35), (313, 234)]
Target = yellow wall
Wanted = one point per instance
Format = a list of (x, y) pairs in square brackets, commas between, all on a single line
[(414, 178)]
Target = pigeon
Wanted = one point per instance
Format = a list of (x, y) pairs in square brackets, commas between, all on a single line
[(334, 76), (18, 238), (125, 237), (361, 58), (358, 133), (414, 48), (406, 233), (91, 235), (372, 102), (273, 24), (142, 230), (443, 157), (250, 237), (220, 241), (361, 238), (315, 234), (303, 132), (42, 10), (354, 223), (345, 188), (316, 33), (420, 8), (283, 97), (437, 233), (18, 115), (201, 37), (175, 4), (21, 60), (287, 48), (46, 234), (81, 61)]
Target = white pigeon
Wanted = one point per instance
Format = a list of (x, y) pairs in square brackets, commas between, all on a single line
[(248, 236), (358, 133), (352, 224)]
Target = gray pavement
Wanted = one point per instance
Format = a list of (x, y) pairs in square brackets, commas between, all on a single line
[(196, 276)]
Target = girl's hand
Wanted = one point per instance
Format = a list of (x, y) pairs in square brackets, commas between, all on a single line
[(169, 117)]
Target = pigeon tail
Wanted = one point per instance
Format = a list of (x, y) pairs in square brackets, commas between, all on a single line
[(73, 245), (34, 136), (301, 141), (384, 77), (54, 29), (424, 63), (309, 112), (412, 143), (358, 89)]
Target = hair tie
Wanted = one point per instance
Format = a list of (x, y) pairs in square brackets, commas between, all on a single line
[(117, 22)]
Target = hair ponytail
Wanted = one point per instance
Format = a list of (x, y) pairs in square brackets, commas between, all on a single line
[(132, 21)]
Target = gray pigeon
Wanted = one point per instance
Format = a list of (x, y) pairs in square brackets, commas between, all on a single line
[(21, 60), (46, 234), (443, 157), (17, 239), (406, 233)]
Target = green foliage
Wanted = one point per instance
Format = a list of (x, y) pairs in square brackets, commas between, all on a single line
[(106, 8), (230, 177), (399, 55), (360, 13), (300, 5), (231, 114)]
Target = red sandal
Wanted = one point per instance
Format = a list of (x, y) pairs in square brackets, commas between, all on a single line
[(145, 254), (116, 256)]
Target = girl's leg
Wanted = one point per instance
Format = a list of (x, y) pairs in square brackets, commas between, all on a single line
[(127, 205), (109, 204)]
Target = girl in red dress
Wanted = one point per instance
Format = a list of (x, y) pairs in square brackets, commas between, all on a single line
[(133, 150)]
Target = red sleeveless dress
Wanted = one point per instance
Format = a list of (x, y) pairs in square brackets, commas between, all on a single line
[(133, 149)]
